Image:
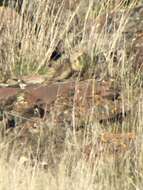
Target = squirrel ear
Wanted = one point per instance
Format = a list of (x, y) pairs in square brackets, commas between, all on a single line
[(55, 55), (58, 51)]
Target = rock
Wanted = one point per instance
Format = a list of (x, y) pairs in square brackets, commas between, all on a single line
[(8, 96), (33, 79), (118, 138), (90, 100), (110, 144), (47, 94)]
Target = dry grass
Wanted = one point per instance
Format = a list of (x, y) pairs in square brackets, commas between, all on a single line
[(103, 169), (58, 162)]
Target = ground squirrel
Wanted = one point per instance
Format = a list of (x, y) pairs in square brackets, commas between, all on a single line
[(65, 66)]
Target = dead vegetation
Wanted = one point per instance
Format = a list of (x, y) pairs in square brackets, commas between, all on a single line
[(71, 94)]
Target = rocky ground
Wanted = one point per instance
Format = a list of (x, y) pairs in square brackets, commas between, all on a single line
[(75, 94)]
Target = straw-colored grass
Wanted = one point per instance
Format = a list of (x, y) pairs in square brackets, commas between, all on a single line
[(27, 39)]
